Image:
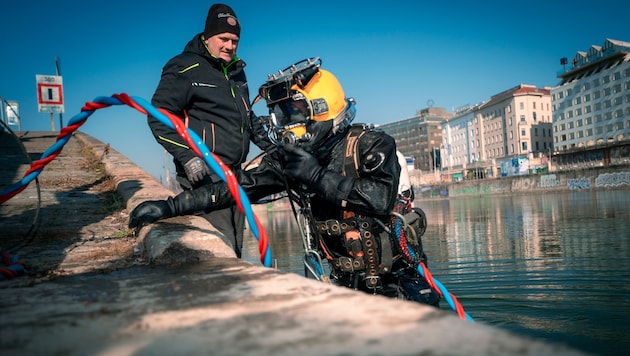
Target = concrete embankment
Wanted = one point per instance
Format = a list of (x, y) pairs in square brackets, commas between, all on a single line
[(591, 178), (93, 288)]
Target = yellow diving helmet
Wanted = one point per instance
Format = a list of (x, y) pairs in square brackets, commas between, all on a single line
[(307, 104)]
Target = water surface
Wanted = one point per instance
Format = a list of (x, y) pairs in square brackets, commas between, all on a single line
[(554, 266)]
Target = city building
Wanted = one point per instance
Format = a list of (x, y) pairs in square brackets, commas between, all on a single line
[(419, 138), (455, 138), (514, 124), (591, 105)]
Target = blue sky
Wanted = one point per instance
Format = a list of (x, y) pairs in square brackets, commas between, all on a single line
[(391, 57)]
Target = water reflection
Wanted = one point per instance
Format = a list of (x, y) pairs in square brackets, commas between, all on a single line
[(555, 266)]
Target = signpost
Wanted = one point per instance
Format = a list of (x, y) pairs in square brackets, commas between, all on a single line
[(50, 96)]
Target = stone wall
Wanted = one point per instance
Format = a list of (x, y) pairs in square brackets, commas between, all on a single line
[(612, 177)]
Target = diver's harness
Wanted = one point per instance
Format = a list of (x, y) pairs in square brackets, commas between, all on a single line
[(373, 246)]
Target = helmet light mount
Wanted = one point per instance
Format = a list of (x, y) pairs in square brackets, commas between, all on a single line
[(278, 85)]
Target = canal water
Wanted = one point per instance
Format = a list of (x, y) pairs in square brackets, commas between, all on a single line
[(554, 266)]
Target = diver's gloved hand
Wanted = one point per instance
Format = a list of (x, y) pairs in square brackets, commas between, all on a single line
[(151, 211), (196, 169), (207, 198), (301, 165)]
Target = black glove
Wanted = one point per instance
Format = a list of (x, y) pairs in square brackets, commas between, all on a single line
[(151, 211), (206, 198), (301, 165), (196, 169)]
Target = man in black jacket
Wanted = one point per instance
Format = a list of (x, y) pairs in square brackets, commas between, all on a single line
[(206, 87), (347, 177)]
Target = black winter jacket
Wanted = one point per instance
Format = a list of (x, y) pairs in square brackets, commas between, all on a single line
[(212, 98)]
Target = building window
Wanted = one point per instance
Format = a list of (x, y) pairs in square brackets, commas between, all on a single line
[(534, 115), (524, 145), (523, 133), (618, 113), (522, 118)]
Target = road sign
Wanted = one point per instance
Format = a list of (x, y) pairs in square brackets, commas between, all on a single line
[(12, 113), (49, 93)]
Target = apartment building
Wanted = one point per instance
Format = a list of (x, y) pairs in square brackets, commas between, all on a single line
[(514, 123), (591, 105), (420, 137), (455, 150)]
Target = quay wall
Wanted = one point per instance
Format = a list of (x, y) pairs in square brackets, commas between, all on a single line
[(593, 178)]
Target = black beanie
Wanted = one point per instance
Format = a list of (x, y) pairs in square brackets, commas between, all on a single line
[(221, 18)]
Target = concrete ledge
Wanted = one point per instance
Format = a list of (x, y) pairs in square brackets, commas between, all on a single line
[(175, 240)]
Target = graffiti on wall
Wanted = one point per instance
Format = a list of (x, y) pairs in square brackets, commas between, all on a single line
[(612, 179), (548, 181), (579, 183)]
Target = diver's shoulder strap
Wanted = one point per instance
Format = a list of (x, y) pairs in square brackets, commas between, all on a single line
[(351, 154)]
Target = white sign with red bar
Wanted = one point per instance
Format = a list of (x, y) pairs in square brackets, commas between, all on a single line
[(49, 93)]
